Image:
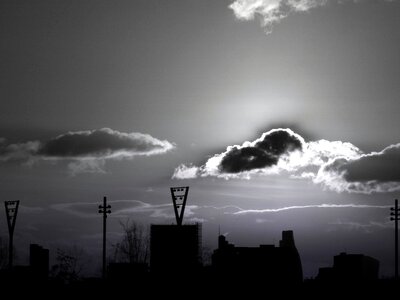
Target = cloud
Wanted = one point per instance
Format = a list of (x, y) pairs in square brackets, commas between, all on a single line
[(103, 143), (369, 227), (271, 12), (373, 172), (280, 209), (20, 152), (250, 157), (264, 152), (124, 208), (336, 165), (87, 150)]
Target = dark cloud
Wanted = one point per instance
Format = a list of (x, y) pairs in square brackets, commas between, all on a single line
[(374, 172), (102, 143), (85, 150), (383, 166), (338, 166), (279, 142), (263, 153), (245, 159)]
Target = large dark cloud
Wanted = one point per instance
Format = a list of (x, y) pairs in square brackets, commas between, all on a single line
[(338, 166), (264, 153)]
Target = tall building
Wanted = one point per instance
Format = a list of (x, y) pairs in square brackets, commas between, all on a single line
[(39, 261), (266, 262), (175, 249)]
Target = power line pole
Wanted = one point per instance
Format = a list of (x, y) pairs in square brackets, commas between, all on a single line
[(11, 212), (104, 209), (395, 217)]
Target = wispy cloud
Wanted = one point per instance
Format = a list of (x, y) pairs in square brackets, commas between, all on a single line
[(368, 227), (295, 207), (123, 208), (86, 151), (336, 165)]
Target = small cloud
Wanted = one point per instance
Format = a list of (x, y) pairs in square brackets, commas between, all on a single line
[(271, 12), (19, 152), (369, 227), (185, 172), (262, 221), (197, 220), (86, 166)]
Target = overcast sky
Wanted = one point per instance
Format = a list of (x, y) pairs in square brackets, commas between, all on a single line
[(127, 98)]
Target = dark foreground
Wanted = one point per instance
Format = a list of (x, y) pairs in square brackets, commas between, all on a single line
[(185, 286)]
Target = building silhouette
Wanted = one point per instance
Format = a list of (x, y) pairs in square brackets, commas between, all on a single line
[(39, 261), (350, 267), (265, 263), (175, 248)]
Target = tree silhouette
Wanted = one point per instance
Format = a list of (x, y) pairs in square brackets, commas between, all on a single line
[(3, 253), (69, 265), (134, 245)]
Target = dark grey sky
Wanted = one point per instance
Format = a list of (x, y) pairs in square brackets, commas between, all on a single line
[(193, 74)]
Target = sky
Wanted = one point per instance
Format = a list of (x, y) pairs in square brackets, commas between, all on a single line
[(279, 115)]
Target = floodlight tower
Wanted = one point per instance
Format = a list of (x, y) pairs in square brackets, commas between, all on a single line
[(179, 197), (11, 212)]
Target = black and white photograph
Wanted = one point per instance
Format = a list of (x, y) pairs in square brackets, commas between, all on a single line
[(199, 147)]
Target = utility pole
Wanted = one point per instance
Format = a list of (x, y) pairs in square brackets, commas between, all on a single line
[(104, 209), (395, 217), (11, 212)]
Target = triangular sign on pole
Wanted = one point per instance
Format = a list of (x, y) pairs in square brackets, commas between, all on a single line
[(11, 212), (179, 196)]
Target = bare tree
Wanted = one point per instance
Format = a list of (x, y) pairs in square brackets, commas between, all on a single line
[(69, 264), (134, 245), (3, 253)]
